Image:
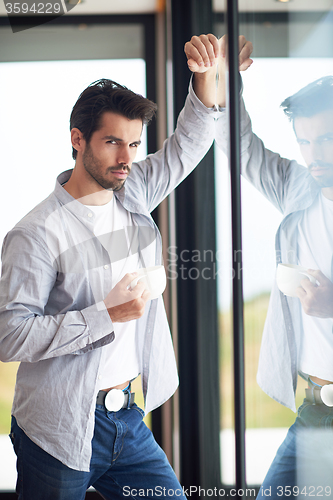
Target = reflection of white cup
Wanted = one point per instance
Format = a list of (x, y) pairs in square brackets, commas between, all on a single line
[(289, 277), (153, 278), (326, 393)]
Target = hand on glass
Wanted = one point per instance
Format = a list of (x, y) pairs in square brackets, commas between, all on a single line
[(125, 304), (204, 51), (316, 300)]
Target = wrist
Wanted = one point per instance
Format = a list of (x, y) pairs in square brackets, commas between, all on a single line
[(206, 78), (204, 86)]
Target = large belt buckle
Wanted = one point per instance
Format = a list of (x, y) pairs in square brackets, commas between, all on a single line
[(326, 394), (114, 400)]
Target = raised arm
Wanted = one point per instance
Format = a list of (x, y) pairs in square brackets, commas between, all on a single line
[(275, 177)]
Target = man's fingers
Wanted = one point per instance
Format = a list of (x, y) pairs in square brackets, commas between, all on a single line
[(137, 291), (146, 295), (202, 50), (316, 300), (207, 47), (214, 44), (127, 279), (319, 276), (194, 65), (245, 46), (245, 50), (245, 65), (307, 285), (300, 292)]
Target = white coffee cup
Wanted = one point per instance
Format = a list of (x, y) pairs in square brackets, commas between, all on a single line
[(289, 277), (153, 278)]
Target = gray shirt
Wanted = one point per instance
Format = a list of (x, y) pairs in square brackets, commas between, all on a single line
[(55, 275), (291, 189)]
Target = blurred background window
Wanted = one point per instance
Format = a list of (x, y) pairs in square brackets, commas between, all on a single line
[(36, 99)]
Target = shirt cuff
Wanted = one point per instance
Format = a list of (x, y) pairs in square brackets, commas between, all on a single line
[(98, 321)]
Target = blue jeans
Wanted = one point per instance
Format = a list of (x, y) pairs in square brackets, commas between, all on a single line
[(126, 463), (303, 465)]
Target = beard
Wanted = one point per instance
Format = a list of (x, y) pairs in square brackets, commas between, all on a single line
[(325, 180), (94, 167)]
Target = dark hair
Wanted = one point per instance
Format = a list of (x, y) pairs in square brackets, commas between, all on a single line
[(312, 99), (106, 95)]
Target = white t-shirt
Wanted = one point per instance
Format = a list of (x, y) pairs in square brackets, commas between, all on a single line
[(315, 249), (119, 360)]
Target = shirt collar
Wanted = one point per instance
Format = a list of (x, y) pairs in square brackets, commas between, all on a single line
[(65, 198), (123, 195)]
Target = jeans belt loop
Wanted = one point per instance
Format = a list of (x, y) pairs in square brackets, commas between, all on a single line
[(313, 393)]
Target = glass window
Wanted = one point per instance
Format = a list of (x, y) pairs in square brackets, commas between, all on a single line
[(291, 50)]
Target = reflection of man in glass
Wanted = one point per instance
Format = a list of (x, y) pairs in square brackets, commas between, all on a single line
[(298, 334)]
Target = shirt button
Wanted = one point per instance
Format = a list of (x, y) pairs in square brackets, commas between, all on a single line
[(90, 214), (106, 266), (100, 376)]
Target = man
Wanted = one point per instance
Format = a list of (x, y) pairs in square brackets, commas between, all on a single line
[(68, 312), (298, 332)]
